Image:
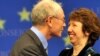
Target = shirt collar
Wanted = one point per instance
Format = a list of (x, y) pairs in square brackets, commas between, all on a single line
[(40, 36)]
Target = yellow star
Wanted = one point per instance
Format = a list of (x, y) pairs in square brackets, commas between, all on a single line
[(67, 40), (2, 24), (24, 15)]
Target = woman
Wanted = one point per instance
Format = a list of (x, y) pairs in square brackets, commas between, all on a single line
[(83, 30)]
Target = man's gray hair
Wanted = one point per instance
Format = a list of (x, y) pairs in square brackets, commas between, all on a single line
[(43, 9)]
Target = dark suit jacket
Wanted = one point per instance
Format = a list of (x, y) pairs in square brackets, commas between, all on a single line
[(28, 45), (87, 50)]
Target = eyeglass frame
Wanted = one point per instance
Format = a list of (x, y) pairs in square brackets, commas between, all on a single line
[(63, 20)]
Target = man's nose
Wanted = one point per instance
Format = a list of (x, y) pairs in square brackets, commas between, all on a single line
[(69, 29), (64, 24)]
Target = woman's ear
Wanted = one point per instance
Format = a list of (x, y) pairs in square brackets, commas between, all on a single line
[(87, 33)]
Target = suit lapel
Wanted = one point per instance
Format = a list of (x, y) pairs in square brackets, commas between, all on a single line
[(37, 41)]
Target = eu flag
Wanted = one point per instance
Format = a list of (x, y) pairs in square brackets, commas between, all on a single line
[(15, 19)]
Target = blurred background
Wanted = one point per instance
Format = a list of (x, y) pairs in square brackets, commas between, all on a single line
[(15, 19)]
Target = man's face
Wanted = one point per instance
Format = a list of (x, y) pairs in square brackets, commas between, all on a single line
[(58, 24)]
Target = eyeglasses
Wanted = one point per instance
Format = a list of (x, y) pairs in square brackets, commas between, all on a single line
[(60, 19)]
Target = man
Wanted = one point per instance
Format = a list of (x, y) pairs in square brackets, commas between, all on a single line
[(48, 21)]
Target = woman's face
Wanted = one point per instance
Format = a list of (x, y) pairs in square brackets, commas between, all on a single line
[(75, 32)]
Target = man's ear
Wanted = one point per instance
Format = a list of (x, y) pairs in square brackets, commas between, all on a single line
[(49, 21)]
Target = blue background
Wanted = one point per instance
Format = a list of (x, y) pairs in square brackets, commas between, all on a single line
[(13, 26)]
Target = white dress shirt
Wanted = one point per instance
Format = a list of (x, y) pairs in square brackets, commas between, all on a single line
[(41, 37)]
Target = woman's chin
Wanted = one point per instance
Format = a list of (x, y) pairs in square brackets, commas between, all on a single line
[(73, 42)]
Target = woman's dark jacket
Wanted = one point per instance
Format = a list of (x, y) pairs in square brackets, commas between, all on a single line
[(87, 51)]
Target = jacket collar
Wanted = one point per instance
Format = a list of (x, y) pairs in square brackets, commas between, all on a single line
[(85, 51)]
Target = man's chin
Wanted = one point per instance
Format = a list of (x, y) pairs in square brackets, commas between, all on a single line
[(59, 35)]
